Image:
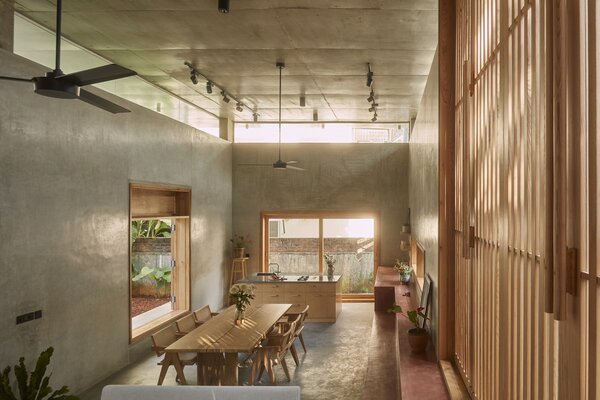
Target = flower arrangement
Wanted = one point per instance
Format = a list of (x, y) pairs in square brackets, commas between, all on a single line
[(411, 315), (239, 241), (241, 294), (402, 267), (329, 260)]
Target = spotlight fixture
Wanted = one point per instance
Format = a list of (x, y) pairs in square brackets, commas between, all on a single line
[(225, 98), (238, 106), (302, 100), (374, 118), (209, 86), (315, 115), (193, 77), (371, 97), (224, 6), (369, 75), (375, 104), (255, 117), (372, 108)]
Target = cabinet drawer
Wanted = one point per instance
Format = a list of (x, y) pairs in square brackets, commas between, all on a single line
[(270, 298), (295, 298), (272, 287), (295, 287), (322, 305), (320, 288)]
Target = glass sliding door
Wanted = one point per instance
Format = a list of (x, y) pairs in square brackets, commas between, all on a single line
[(294, 245), (351, 242)]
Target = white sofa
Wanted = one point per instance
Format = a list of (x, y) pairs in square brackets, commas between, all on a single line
[(143, 392)]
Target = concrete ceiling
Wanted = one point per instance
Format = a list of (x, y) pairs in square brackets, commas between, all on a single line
[(325, 44)]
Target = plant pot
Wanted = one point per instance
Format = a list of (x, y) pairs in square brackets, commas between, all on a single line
[(405, 279), (330, 270), (238, 252), (417, 339)]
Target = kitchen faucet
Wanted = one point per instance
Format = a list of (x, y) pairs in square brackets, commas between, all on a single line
[(278, 271)]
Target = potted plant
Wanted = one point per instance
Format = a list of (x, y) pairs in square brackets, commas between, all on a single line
[(36, 387), (417, 336), (330, 261), (241, 294), (404, 270), (239, 244)]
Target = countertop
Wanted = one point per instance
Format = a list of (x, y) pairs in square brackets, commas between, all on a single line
[(290, 279)]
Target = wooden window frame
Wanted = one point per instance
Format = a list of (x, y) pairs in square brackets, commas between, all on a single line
[(156, 201), (321, 215)]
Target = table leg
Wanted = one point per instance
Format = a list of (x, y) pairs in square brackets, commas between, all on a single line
[(200, 369), (231, 369)]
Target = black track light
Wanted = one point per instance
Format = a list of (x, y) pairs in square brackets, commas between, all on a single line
[(209, 86), (193, 77), (239, 107), (315, 115), (255, 117), (225, 98), (224, 6), (375, 104), (369, 75), (374, 118), (372, 108), (371, 97), (302, 100)]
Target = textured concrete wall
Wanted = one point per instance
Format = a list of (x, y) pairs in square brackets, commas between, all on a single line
[(338, 177), (423, 181), (7, 22), (65, 167)]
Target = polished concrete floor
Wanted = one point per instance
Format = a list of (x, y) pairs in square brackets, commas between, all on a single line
[(333, 368)]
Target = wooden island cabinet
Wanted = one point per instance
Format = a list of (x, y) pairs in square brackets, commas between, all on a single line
[(322, 294)]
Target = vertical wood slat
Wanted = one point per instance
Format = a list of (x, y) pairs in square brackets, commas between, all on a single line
[(593, 196)]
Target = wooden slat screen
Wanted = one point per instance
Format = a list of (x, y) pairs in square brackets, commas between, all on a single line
[(526, 183), (504, 341)]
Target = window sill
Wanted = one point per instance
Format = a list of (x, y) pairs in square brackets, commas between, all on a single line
[(146, 330)]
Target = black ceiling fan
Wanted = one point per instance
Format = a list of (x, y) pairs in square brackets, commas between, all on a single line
[(56, 84), (279, 164)]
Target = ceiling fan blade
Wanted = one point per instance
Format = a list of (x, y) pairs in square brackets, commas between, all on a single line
[(255, 165), (10, 78), (296, 168), (100, 102), (97, 75), (291, 162)]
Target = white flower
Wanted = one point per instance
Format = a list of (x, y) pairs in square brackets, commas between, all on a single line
[(235, 289), (243, 287)]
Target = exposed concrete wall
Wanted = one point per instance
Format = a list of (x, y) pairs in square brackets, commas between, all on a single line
[(7, 22), (338, 177), (423, 181), (65, 167)]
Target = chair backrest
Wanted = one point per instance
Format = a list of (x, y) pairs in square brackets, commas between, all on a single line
[(303, 315), (186, 324), (163, 339), (202, 315)]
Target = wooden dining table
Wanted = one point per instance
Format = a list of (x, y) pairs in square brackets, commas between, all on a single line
[(220, 334)]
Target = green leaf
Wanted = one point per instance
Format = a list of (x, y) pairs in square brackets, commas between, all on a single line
[(21, 375), (6, 392)]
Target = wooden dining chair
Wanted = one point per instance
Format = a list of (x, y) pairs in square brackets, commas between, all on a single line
[(185, 325), (203, 314), (160, 341), (300, 318), (273, 352)]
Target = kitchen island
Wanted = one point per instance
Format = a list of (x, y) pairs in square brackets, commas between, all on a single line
[(322, 294)]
